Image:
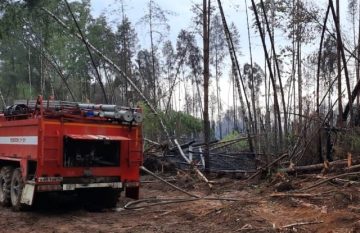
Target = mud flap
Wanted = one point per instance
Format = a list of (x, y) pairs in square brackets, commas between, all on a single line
[(27, 195)]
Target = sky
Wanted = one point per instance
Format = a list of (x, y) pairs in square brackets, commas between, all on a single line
[(234, 11), (135, 9)]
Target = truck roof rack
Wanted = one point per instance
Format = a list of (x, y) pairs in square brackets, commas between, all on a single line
[(24, 109)]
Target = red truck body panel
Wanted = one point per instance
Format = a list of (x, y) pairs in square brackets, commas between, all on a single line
[(42, 140)]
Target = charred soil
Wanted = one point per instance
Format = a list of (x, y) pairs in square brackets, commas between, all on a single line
[(331, 207)]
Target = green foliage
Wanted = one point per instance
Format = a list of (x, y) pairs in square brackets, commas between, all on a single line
[(355, 143), (183, 125), (34, 47), (179, 124), (348, 142), (239, 146)]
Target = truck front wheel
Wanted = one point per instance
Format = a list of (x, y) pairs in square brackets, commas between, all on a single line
[(5, 185), (17, 185)]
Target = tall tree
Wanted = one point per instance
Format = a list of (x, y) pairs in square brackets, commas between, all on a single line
[(268, 62), (217, 51), (254, 75), (189, 54), (339, 89), (157, 21), (251, 67), (277, 71), (169, 63), (302, 28), (206, 21), (352, 8), (126, 45), (145, 65), (101, 35)]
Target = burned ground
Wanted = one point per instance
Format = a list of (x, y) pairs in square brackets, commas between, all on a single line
[(331, 207)]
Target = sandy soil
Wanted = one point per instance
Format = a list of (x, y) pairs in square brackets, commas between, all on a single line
[(333, 207)]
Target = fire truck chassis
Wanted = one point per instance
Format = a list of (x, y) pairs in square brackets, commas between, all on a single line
[(91, 150)]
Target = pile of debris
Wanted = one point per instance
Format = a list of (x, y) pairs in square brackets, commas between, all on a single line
[(159, 157)]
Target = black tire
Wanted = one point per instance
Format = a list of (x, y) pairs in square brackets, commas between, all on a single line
[(99, 199), (17, 185), (5, 185)]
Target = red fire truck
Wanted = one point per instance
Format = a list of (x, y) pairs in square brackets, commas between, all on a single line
[(91, 150)]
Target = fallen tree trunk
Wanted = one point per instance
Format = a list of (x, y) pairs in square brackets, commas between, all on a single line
[(234, 171), (152, 142), (300, 224), (295, 194), (319, 166), (229, 143), (198, 172), (353, 168), (267, 166), (224, 154), (183, 146), (329, 179), (200, 144)]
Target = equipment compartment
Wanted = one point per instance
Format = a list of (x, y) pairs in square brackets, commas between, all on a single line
[(91, 153)]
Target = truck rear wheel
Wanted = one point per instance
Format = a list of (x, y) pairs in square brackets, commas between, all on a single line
[(5, 185), (17, 185)]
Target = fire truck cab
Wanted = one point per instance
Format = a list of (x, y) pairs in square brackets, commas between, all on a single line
[(92, 150)]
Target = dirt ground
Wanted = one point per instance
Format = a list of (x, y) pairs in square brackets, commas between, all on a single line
[(332, 207)]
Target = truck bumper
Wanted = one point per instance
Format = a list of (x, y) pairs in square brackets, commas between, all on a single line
[(72, 187), (28, 193), (69, 187)]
